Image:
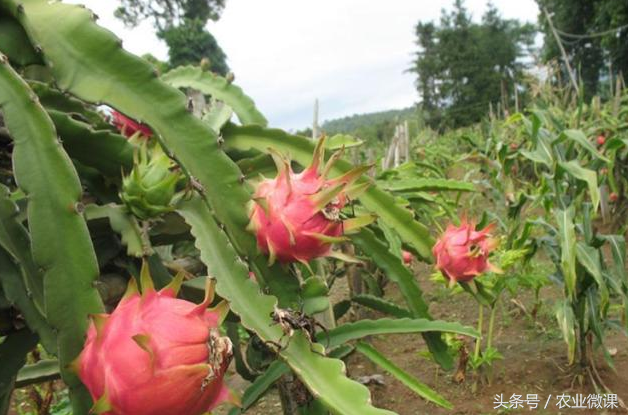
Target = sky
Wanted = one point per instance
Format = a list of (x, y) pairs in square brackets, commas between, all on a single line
[(351, 55)]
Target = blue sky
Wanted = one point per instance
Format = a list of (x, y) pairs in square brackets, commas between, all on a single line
[(350, 54)]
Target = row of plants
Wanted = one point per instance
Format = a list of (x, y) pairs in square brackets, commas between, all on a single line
[(148, 240)]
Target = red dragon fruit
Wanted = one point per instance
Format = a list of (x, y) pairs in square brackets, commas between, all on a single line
[(156, 355), (462, 252), (296, 216), (128, 127), (407, 257)]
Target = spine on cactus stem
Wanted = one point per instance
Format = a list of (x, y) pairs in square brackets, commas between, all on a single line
[(297, 216)]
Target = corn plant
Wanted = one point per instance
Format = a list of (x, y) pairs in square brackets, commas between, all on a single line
[(565, 162), (82, 206)]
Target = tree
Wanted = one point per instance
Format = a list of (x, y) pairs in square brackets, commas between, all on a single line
[(587, 31), (189, 43), (463, 66), (181, 24), (168, 13)]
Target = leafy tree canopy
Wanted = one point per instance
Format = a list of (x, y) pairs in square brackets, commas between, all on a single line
[(167, 13), (189, 43), (587, 30), (462, 66)]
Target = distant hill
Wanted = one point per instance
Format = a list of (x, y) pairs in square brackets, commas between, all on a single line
[(372, 127)]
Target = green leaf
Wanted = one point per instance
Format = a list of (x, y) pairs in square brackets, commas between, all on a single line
[(39, 372), (218, 87), (301, 150), (404, 377), (567, 238), (262, 383), (405, 280), (314, 294), (381, 305), (542, 153), (15, 240), (323, 376), (567, 324), (363, 328), (338, 141), (428, 185), (589, 258), (15, 291), (15, 44), (587, 176), (102, 150), (60, 240), (13, 351), (123, 223), (578, 136)]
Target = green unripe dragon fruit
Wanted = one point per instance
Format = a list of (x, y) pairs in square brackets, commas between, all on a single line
[(150, 189)]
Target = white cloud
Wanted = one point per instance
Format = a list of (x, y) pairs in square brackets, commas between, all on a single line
[(350, 54)]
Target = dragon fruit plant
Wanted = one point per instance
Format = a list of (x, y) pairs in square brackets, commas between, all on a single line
[(462, 255), (88, 202), (156, 354)]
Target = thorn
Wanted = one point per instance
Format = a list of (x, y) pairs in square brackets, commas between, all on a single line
[(325, 196), (344, 257), (356, 190), (272, 255), (145, 279), (326, 238), (352, 175), (143, 340), (102, 405), (175, 284), (242, 178), (319, 154), (99, 321), (354, 224), (220, 141), (332, 160), (263, 203), (222, 309)]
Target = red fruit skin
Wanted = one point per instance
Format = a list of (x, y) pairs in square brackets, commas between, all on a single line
[(601, 140), (514, 146), (604, 171), (172, 377), (128, 126), (613, 197), (407, 257), (289, 225), (462, 252)]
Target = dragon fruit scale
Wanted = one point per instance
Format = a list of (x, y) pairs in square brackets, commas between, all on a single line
[(296, 216), (156, 354), (129, 127), (462, 252)]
